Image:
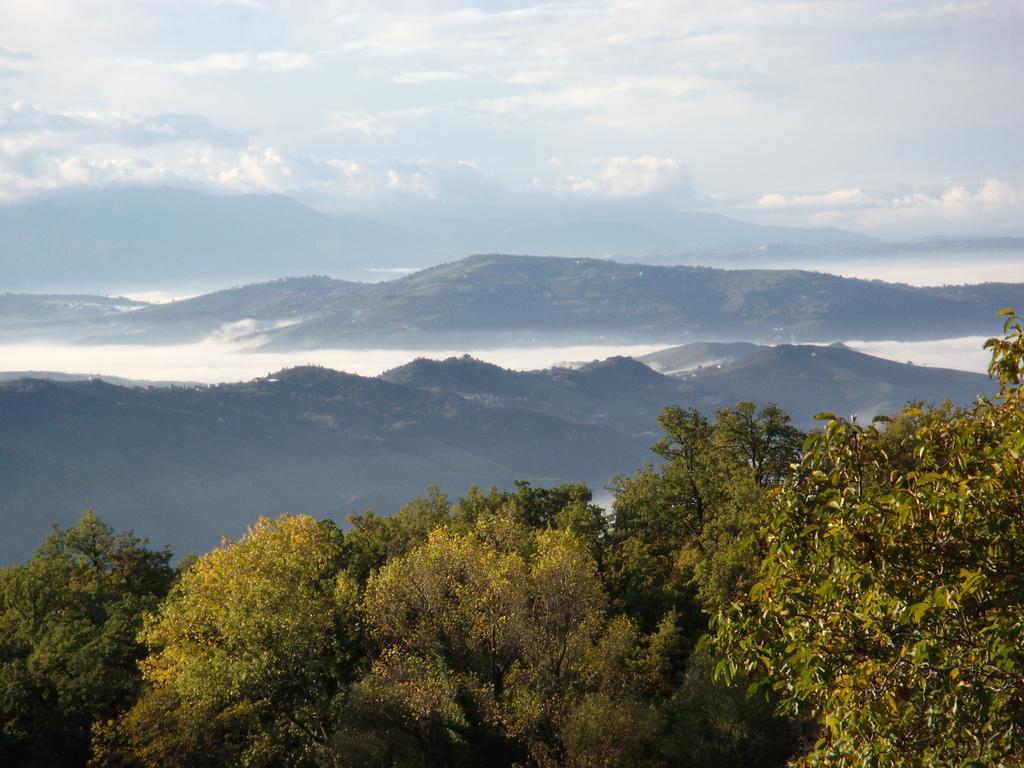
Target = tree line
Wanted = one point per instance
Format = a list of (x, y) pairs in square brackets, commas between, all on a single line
[(756, 597)]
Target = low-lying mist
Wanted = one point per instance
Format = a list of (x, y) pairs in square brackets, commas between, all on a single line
[(967, 353), (917, 272), (218, 360)]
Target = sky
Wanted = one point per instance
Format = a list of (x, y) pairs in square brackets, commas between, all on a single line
[(899, 119)]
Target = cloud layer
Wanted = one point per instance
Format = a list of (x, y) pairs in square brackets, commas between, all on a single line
[(891, 117), (993, 206)]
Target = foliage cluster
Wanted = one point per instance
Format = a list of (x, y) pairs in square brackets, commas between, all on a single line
[(889, 601), (69, 621)]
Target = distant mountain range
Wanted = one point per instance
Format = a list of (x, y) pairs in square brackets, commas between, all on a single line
[(154, 236), (186, 465), (520, 300)]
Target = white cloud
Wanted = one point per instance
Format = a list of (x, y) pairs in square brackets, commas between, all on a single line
[(991, 201), (42, 151), (613, 95), (26, 125), (414, 183), (15, 62), (254, 5), (837, 198), (8, 54), (226, 63), (428, 76), (358, 121), (992, 205), (257, 169), (369, 182), (623, 177), (762, 99), (53, 172)]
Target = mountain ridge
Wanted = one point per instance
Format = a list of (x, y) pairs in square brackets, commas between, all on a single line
[(186, 464), (500, 300)]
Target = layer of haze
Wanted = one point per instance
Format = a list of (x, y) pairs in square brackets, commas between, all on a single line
[(920, 273), (212, 362), (964, 354)]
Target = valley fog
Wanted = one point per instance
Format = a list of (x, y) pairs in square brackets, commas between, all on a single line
[(920, 273), (213, 362), (219, 361), (963, 354)]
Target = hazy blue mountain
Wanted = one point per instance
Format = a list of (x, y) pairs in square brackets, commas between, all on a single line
[(697, 354), (118, 380), (807, 379), (521, 300), (619, 392), (159, 235), (19, 311), (185, 465), (155, 236), (635, 229), (510, 300), (823, 255)]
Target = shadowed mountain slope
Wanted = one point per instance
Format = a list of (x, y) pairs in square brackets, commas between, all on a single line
[(807, 379), (190, 464), (185, 465), (519, 300), (697, 355)]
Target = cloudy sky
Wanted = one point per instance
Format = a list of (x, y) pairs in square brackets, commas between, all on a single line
[(895, 118)]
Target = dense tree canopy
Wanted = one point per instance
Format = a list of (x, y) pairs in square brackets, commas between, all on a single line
[(68, 649), (255, 641), (889, 603)]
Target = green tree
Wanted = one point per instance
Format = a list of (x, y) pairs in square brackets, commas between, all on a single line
[(68, 650), (889, 603), (258, 641), (373, 539), (680, 531), (486, 640), (763, 440)]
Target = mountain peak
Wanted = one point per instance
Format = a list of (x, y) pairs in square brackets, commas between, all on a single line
[(463, 373)]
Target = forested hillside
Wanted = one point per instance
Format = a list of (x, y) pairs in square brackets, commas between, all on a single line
[(186, 465), (850, 599), (493, 301)]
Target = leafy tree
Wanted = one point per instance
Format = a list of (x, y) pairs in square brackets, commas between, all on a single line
[(373, 538), (612, 732), (258, 641), (709, 724), (68, 650), (889, 603), (763, 440), (681, 530), (486, 639)]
